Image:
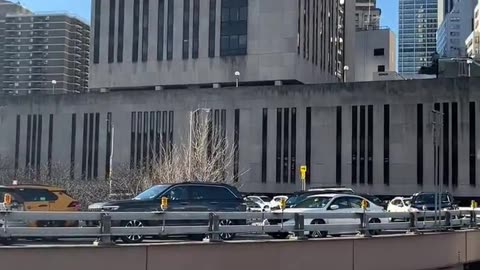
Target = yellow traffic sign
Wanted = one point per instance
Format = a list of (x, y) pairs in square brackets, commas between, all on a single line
[(303, 169)]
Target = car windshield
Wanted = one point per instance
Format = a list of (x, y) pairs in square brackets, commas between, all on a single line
[(314, 202), (295, 199), (151, 193), (430, 199)]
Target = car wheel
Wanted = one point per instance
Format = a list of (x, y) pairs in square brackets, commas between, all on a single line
[(374, 232), (318, 234), (227, 236), (280, 235), (131, 239)]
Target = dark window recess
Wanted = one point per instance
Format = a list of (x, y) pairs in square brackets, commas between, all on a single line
[(39, 144), (138, 160), (236, 138), (29, 137), (111, 32), (17, 143), (170, 130), (381, 68), (34, 142), (91, 127), (96, 32), (50, 145), (186, 28), (354, 144), (84, 145), (455, 144), (164, 132), (73, 138), (160, 29), (108, 153), (308, 144), (196, 28), (299, 11), (136, 29), (133, 129), (145, 141), (145, 22), (370, 138), (234, 27), (121, 30), (151, 142), (386, 144), (362, 145), (278, 174), (158, 125), (95, 149), (304, 12), (293, 146), (211, 27), (420, 144), (286, 141), (264, 144), (378, 52), (307, 31), (170, 29), (472, 144), (338, 161), (446, 143)]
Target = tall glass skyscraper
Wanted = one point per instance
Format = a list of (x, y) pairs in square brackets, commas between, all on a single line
[(418, 22)]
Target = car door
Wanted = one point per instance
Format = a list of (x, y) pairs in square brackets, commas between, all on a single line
[(343, 207), (178, 201), (37, 199)]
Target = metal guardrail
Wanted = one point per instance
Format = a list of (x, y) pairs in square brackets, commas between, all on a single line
[(14, 224)]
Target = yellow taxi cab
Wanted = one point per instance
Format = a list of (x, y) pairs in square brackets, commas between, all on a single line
[(42, 198)]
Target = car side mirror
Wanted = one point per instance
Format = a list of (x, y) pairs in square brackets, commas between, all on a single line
[(334, 207), (400, 205)]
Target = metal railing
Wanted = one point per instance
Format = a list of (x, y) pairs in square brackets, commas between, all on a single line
[(15, 224)]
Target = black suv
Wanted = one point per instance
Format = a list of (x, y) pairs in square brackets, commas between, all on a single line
[(187, 197)]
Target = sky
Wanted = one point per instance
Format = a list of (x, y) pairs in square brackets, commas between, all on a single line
[(81, 8)]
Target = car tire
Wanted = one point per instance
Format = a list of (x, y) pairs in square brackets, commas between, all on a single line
[(227, 236), (133, 239), (279, 235), (318, 234), (374, 232)]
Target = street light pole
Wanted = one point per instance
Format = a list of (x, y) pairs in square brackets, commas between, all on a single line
[(111, 158), (54, 82), (237, 78)]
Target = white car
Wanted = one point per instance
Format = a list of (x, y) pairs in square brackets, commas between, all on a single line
[(262, 201), (338, 203), (275, 202), (399, 205)]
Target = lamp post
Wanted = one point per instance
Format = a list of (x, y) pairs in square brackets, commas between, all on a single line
[(345, 71), (207, 110), (110, 122), (54, 82), (237, 78)]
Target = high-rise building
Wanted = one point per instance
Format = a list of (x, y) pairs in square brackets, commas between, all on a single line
[(417, 34), (444, 7), (473, 40), (367, 15), (455, 28), (45, 52), (157, 44)]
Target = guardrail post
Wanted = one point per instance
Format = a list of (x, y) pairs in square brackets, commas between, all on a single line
[(213, 228), (473, 219), (364, 225), (299, 227), (105, 230), (448, 220), (413, 223)]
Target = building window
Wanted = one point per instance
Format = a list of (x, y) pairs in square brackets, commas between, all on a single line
[(121, 21), (111, 32), (170, 30), (379, 52), (96, 34), (145, 22), (196, 28), (136, 30), (211, 28), (234, 26), (264, 144), (160, 25), (186, 28), (472, 144), (381, 68)]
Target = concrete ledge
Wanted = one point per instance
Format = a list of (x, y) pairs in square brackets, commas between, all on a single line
[(401, 252)]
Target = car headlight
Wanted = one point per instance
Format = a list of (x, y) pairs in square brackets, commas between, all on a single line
[(110, 207)]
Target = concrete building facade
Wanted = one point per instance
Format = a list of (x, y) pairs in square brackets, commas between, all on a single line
[(473, 40), (455, 29), (157, 44), (367, 15), (45, 52), (374, 136), (375, 53), (418, 23)]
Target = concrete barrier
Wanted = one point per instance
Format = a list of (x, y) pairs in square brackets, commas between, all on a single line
[(406, 252)]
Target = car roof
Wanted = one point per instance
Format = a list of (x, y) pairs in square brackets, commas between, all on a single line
[(34, 186), (333, 195)]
